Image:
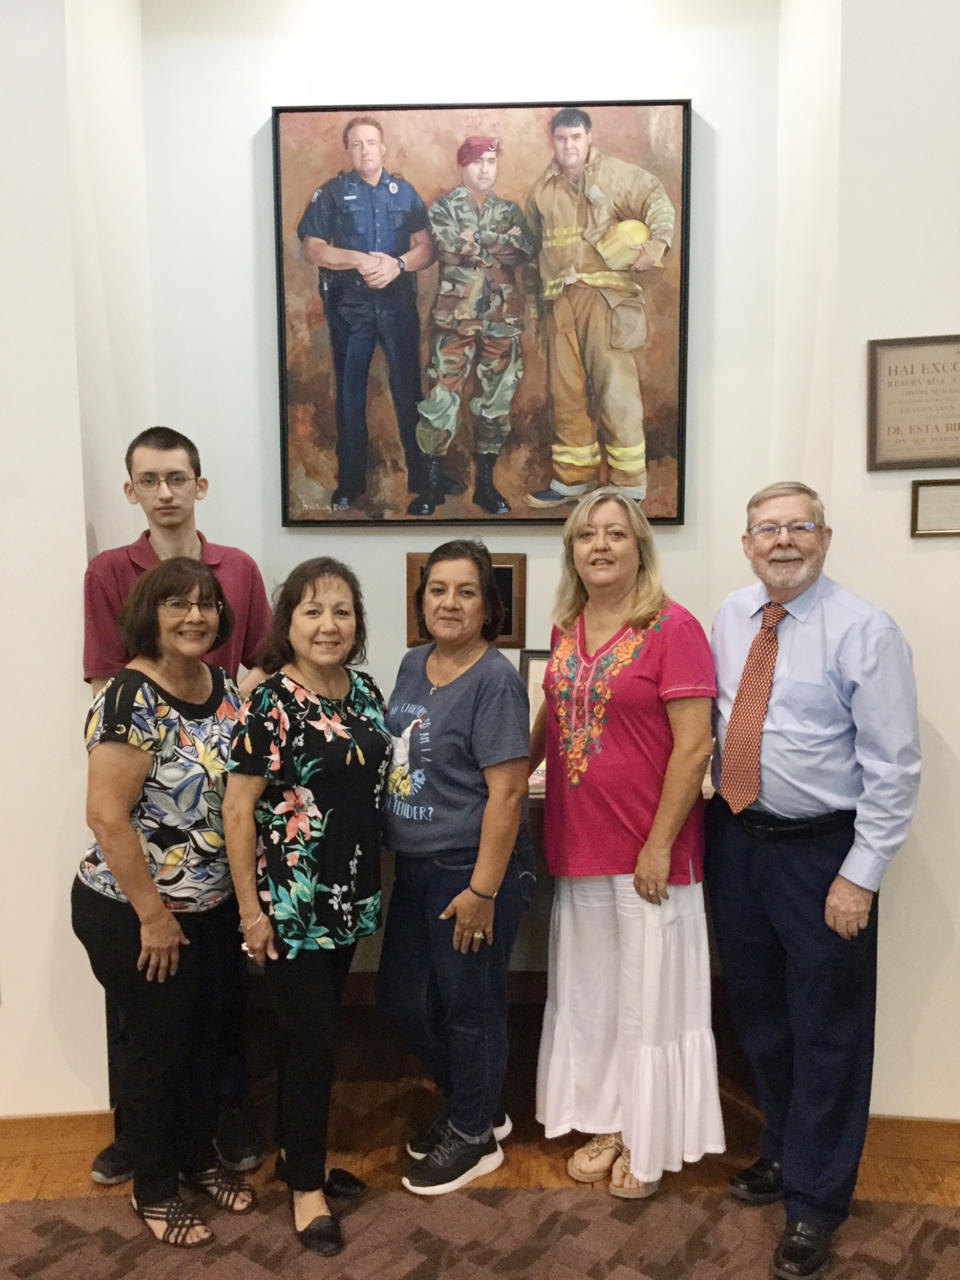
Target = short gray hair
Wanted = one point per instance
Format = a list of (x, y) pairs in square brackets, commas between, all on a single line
[(784, 489)]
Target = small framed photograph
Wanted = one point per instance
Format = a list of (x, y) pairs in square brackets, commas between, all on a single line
[(914, 403), (510, 575), (533, 666), (935, 509)]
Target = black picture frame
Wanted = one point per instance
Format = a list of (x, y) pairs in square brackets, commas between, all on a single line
[(422, 143)]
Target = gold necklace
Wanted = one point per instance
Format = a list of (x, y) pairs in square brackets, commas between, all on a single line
[(461, 667)]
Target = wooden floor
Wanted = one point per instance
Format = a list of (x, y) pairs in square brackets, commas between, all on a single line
[(380, 1100)]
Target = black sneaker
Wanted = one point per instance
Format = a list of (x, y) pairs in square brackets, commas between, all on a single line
[(238, 1143), (113, 1165), (453, 1163), (424, 1143)]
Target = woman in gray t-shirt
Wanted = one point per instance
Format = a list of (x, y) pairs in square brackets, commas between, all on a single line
[(459, 719)]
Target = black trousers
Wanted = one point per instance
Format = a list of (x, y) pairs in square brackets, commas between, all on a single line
[(232, 1072), (172, 1031), (305, 992), (802, 1001)]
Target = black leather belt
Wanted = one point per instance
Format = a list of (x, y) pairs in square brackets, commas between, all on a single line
[(767, 826)]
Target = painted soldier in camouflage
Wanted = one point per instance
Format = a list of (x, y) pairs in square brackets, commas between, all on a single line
[(598, 222), (482, 243)]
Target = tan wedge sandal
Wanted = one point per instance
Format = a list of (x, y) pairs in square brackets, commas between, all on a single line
[(593, 1162), (624, 1185)]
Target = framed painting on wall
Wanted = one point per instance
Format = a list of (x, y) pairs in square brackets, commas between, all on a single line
[(482, 309)]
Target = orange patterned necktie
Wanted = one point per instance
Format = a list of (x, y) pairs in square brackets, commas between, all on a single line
[(740, 771)]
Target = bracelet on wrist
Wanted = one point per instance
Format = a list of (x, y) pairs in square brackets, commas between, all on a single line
[(253, 923), (488, 897)]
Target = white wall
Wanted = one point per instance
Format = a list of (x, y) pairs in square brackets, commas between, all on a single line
[(51, 1023), (797, 257), (899, 269)]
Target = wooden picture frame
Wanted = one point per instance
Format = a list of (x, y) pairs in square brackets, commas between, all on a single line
[(510, 574), (340, 413), (913, 415), (935, 509)]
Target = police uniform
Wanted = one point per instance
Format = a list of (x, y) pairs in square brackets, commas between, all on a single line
[(594, 315), (349, 213), (478, 316)]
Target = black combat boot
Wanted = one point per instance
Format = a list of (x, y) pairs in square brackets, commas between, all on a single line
[(484, 494), (426, 503)]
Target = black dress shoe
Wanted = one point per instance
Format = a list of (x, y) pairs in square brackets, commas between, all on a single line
[(803, 1252), (322, 1235), (341, 1184), (342, 500), (760, 1183)]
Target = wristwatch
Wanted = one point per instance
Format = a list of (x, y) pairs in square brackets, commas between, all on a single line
[(402, 265)]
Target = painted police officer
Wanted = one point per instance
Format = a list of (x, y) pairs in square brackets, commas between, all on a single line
[(367, 232)]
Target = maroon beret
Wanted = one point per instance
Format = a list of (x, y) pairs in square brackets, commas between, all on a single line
[(473, 148)]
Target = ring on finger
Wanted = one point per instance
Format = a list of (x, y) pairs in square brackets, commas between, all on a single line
[(478, 934)]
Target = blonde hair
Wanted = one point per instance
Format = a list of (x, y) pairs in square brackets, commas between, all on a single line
[(572, 594), (786, 489)]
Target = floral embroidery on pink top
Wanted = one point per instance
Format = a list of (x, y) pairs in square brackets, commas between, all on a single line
[(582, 685)]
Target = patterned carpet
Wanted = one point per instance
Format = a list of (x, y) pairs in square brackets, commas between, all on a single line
[(548, 1235)]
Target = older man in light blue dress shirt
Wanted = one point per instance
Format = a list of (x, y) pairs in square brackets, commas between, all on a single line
[(793, 877)]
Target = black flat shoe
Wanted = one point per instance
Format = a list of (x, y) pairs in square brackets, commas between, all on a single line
[(803, 1252), (322, 1235), (760, 1183), (341, 1184)]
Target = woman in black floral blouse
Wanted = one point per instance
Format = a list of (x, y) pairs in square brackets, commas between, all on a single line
[(302, 816)]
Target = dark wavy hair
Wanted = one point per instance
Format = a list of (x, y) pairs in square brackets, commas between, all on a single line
[(471, 549), (277, 650), (138, 621)]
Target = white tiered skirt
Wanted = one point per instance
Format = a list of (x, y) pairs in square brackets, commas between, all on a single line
[(627, 1044)]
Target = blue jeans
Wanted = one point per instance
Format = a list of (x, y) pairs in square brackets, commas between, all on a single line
[(451, 1009)]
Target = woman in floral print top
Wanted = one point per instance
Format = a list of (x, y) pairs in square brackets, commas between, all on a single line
[(302, 815), (153, 903)]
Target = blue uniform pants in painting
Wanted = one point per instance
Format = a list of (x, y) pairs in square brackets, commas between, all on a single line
[(359, 318), (802, 1001), (451, 1009)]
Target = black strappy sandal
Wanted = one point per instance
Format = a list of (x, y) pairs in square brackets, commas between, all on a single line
[(179, 1221), (223, 1186)]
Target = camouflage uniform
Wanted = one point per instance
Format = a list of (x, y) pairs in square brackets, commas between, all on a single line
[(478, 316), (594, 315)]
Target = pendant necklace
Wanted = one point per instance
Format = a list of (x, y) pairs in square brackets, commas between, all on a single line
[(461, 667)]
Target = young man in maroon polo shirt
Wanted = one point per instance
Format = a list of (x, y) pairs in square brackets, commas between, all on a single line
[(163, 467), (164, 479)]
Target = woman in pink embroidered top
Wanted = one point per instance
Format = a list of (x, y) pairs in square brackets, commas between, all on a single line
[(627, 1053)]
